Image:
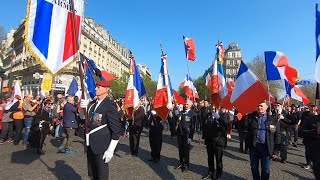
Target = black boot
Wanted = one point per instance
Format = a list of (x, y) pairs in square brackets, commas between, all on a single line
[(40, 152)]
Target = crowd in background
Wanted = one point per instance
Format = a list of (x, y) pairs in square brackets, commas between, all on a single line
[(62, 117)]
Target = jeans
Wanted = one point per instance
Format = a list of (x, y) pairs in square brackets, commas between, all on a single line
[(260, 153), (58, 131), (27, 126)]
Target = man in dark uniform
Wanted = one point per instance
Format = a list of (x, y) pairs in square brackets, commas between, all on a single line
[(135, 129), (215, 137), (184, 134), (155, 136), (205, 111), (311, 129), (280, 115), (105, 129), (311, 110), (295, 117), (241, 125)]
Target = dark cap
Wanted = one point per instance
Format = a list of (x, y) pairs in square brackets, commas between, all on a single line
[(103, 83), (277, 102)]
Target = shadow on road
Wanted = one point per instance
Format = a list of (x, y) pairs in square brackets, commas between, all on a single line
[(63, 171), (162, 168), (26, 156)]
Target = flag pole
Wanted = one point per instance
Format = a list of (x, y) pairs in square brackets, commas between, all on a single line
[(317, 95), (269, 99), (75, 35)]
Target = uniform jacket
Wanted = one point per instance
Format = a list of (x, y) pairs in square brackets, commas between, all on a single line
[(215, 130), (139, 115), (284, 123), (99, 141), (70, 116), (272, 138), (187, 123), (205, 111), (308, 130)]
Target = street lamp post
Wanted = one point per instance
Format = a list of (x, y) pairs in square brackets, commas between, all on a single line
[(37, 76)]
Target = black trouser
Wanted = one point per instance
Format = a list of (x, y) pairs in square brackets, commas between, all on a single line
[(7, 131), (198, 125), (44, 131), (316, 169), (242, 139), (155, 139), (172, 124), (282, 147), (134, 139), (214, 151), (18, 123), (293, 131), (97, 169), (307, 151), (184, 149)]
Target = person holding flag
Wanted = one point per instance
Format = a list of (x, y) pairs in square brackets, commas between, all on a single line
[(104, 131)]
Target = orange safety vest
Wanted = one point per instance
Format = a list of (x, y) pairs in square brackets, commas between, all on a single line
[(18, 114)]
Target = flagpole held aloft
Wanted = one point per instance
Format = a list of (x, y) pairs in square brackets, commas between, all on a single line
[(75, 35)]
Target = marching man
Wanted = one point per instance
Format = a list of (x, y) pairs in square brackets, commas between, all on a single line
[(104, 131)]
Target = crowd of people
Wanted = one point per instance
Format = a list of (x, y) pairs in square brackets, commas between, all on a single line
[(39, 117), (264, 134)]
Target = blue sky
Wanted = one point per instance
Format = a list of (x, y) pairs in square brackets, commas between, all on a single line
[(257, 26)]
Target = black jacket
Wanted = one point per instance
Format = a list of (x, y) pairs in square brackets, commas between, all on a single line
[(308, 130), (99, 141), (187, 123), (272, 138), (215, 129)]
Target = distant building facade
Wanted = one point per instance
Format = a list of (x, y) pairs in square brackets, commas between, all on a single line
[(144, 70), (232, 60)]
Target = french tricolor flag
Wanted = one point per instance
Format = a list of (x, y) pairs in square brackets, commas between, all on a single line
[(163, 99), (277, 67), (135, 89), (188, 83), (208, 81), (190, 48), (248, 91), (219, 87), (53, 32), (295, 93)]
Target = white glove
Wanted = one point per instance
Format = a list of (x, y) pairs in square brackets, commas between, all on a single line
[(84, 103), (189, 141), (216, 115), (153, 112), (108, 154)]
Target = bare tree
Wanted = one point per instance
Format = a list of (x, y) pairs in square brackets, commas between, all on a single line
[(2, 33)]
